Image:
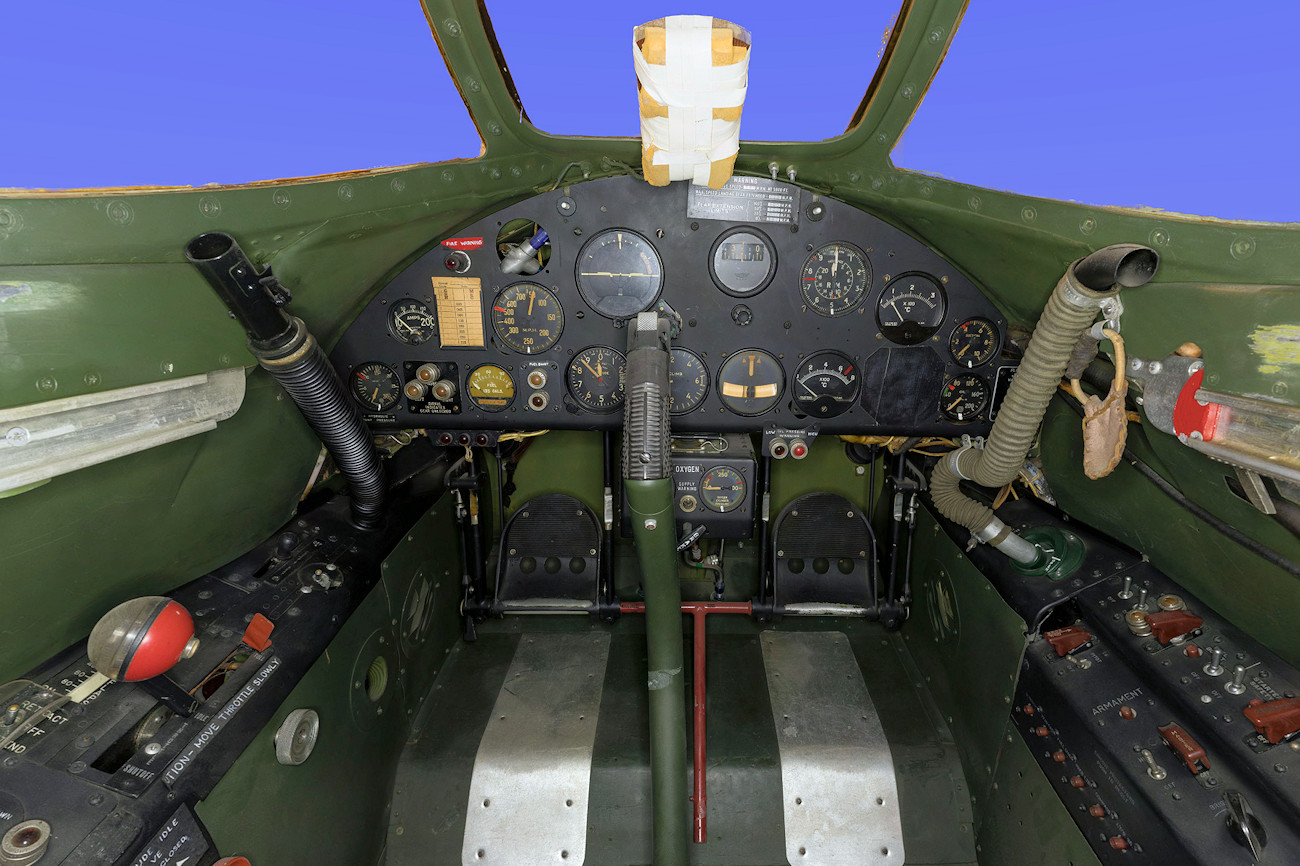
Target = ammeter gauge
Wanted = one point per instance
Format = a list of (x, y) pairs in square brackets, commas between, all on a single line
[(412, 322)]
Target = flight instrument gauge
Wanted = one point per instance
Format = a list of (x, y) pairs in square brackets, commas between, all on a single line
[(527, 317), (973, 342), (835, 279), (688, 381), (750, 382), (911, 309), (595, 378), (742, 262), (826, 384), (412, 322), (490, 388), (376, 386), (619, 273), (722, 489), (964, 398)]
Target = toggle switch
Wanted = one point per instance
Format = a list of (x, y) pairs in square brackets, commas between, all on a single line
[(1215, 666), (1168, 625), (1185, 747), (1238, 684), (1068, 640), (1278, 720)]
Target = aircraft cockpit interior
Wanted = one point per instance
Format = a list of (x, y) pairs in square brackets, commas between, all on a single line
[(678, 500)]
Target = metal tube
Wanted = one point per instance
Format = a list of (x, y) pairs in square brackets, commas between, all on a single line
[(700, 798), (651, 506)]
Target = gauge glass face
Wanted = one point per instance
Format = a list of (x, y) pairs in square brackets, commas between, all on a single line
[(964, 398), (688, 381), (595, 379), (973, 342), (376, 386), (826, 385), (412, 322), (835, 279), (743, 262), (722, 489), (750, 382), (490, 388), (619, 273), (527, 317), (911, 309)]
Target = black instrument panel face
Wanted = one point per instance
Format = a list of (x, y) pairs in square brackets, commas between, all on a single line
[(813, 314)]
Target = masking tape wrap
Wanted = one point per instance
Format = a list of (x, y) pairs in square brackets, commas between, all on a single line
[(691, 71)]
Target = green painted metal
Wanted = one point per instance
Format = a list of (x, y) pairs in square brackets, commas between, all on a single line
[(334, 807), (651, 506), (968, 643), (1061, 552)]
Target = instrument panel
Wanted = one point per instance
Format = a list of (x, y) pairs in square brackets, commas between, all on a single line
[(797, 312)]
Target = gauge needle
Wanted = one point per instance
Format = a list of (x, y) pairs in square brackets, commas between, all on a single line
[(531, 296), (894, 304), (963, 350), (592, 369), (954, 404), (806, 388), (611, 274), (752, 359), (374, 398), (835, 267), (402, 324)]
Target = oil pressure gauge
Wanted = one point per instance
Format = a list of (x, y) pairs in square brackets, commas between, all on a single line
[(964, 398), (376, 386)]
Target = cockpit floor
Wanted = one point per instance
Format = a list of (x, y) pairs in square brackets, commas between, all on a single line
[(745, 815)]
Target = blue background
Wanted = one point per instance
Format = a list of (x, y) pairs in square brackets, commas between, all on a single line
[(1187, 106)]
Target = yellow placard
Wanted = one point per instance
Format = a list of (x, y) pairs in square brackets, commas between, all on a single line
[(460, 312)]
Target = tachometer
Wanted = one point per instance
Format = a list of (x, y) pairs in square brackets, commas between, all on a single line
[(595, 379), (527, 317), (722, 488), (835, 279), (963, 398), (743, 262), (490, 388), (826, 384), (376, 386), (750, 382), (412, 322), (973, 342), (619, 273), (688, 381), (911, 308)]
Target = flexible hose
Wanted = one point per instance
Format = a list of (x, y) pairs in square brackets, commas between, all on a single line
[(1069, 312), (306, 375)]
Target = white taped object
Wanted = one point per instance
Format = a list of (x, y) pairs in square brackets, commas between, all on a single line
[(43, 440), (692, 72)]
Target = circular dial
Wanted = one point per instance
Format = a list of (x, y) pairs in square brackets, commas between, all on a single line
[(835, 279), (973, 342), (826, 385), (742, 262), (527, 317), (412, 322), (722, 488), (911, 309), (750, 382), (376, 386), (688, 381), (595, 379), (490, 388), (963, 398), (619, 273)]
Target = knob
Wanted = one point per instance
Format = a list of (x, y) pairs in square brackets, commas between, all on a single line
[(428, 373), (141, 638), (1238, 684), (415, 389), (444, 390), (1244, 827), (1215, 667)]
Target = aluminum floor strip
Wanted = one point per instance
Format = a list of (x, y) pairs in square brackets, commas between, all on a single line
[(528, 796), (839, 793)]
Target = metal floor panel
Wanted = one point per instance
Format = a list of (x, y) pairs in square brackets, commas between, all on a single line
[(839, 791), (528, 796)]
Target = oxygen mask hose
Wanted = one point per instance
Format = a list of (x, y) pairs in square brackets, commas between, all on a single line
[(286, 349), (1089, 285), (647, 478)]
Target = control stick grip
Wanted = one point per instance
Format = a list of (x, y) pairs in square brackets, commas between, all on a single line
[(646, 432)]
